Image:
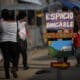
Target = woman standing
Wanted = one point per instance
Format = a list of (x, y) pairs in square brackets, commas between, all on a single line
[(9, 42)]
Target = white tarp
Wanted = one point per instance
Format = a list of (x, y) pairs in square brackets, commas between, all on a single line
[(23, 7), (32, 1)]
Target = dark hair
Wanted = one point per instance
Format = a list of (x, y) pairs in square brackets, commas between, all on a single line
[(11, 15), (75, 7), (64, 8), (5, 14), (21, 15)]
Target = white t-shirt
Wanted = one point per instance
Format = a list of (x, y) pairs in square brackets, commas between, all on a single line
[(22, 30), (9, 31)]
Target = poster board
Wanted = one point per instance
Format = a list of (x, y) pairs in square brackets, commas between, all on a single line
[(59, 26)]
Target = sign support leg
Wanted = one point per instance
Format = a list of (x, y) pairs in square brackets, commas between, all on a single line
[(59, 71)]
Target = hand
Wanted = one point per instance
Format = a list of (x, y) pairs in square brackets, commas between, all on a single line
[(1, 60), (30, 41)]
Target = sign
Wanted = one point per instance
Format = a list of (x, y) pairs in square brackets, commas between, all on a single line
[(59, 20), (59, 26), (61, 65)]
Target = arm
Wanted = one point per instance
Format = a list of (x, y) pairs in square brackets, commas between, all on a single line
[(28, 35), (1, 26)]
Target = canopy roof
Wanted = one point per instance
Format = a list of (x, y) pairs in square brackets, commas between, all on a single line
[(32, 1), (23, 7)]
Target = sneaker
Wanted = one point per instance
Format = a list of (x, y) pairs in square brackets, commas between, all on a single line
[(7, 76), (14, 73)]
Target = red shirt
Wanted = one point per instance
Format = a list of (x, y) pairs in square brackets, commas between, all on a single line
[(77, 40)]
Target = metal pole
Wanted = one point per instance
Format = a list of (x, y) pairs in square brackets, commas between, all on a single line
[(59, 71), (35, 38), (0, 7), (15, 8), (59, 74), (41, 29), (26, 40)]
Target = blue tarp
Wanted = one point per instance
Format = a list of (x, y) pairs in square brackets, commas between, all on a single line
[(70, 4)]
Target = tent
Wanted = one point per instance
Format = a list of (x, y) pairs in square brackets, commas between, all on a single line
[(24, 5), (70, 3)]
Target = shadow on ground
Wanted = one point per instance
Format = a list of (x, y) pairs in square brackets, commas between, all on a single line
[(72, 73)]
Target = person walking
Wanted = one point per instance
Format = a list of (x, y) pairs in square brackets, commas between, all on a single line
[(23, 35), (76, 14), (9, 42), (76, 44), (76, 39)]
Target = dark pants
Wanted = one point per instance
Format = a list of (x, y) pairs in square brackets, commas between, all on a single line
[(10, 54), (65, 59), (22, 49), (77, 54)]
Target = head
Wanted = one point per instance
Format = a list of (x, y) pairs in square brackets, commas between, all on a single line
[(22, 16), (5, 14), (11, 15), (76, 10), (64, 9)]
